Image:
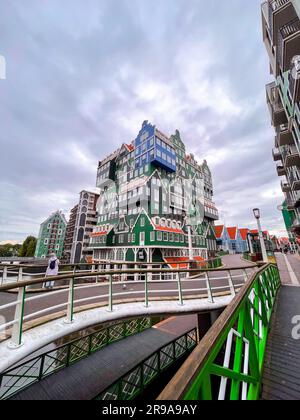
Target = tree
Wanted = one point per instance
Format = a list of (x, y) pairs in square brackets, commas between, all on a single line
[(28, 247), (8, 250)]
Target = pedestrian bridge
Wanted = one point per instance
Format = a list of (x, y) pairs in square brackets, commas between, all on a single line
[(248, 353), (232, 361), (34, 317)]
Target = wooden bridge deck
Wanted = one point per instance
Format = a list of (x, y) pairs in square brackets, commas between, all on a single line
[(281, 379)]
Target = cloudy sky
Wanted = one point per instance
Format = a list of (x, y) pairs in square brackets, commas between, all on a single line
[(82, 75)]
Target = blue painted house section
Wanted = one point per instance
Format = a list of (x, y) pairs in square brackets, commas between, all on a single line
[(231, 239), (222, 238), (152, 147)]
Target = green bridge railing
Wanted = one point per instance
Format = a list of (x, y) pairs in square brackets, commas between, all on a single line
[(129, 386), (228, 362), (34, 370)]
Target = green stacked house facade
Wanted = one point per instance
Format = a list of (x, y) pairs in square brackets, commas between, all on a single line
[(51, 236), (155, 203)]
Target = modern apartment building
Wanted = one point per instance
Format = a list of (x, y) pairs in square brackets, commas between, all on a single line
[(51, 236), (83, 219), (281, 34), (70, 231), (155, 202)]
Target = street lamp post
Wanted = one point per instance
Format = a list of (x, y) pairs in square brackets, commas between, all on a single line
[(189, 229), (256, 213)]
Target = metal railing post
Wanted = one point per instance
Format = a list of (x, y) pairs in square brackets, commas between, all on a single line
[(231, 284), (4, 274), (110, 294), (20, 274), (146, 291), (209, 291), (179, 289), (70, 307), (17, 330)]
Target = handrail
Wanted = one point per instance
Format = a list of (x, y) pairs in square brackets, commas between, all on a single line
[(108, 291), (10, 271), (245, 323), (87, 274), (103, 262)]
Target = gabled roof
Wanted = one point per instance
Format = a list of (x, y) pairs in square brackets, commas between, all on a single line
[(232, 233), (243, 233), (255, 232), (130, 147), (57, 212), (219, 231)]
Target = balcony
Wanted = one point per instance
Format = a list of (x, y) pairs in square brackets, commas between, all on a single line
[(290, 205), (285, 186), (280, 13), (288, 43), (284, 136), (296, 226), (297, 203), (276, 154), (291, 157), (280, 169), (276, 108), (295, 181), (294, 80)]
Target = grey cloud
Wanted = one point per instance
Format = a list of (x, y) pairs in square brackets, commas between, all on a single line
[(75, 71)]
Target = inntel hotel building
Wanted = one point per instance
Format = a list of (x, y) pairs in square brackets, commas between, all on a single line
[(155, 201)]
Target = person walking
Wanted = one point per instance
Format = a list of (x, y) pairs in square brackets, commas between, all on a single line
[(52, 270)]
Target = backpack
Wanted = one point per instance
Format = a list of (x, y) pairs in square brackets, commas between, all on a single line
[(52, 264)]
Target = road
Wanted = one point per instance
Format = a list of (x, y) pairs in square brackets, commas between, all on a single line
[(98, 293)]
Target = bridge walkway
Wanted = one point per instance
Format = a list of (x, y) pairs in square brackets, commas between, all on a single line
[(281, 380), (87, 378)]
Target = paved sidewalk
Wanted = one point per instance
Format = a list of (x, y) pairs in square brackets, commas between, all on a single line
[(289, 267)]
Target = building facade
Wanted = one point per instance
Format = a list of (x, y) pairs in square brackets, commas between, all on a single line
[(155, 202), (244, 244), (70, 231), (289, 218), (51, 236), (231, 239), (84, 219), (281, 34)]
